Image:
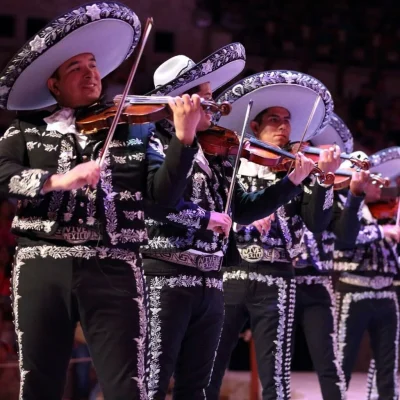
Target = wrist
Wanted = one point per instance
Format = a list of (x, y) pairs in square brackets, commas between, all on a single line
[(294, 180), (52, 184), (184, 139), (356, 193)]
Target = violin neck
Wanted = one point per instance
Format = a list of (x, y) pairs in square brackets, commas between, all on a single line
[(317, 151), (343, 172), (133, 99), (272, 149)]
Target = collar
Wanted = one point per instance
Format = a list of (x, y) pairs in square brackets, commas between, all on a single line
[(62, 121), (248, 168)]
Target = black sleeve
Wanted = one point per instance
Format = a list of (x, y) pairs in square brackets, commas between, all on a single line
[(316, 206), (185, 215), (17, 179), (249, 207), (167, 174), (346, 222)]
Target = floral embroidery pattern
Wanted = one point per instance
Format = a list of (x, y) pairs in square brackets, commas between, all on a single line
[(269, 78), (132, 215), (64, 165), (286, 301), (328, 203), (326, 281), (155, 346), (188, 217), (27, 183), (10, 132), (345, 301), (15, 298)]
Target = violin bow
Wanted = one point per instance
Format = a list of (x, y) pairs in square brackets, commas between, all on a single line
[(236, 166), (121, 105), (314, 109)]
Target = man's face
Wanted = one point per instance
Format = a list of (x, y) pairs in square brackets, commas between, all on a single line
[(205, 93), (273, 126), (372, 193), (77, 82)]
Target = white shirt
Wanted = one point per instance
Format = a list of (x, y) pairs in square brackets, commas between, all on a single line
[(63, 121)]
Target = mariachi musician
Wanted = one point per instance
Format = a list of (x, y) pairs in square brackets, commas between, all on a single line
[(78, 249)]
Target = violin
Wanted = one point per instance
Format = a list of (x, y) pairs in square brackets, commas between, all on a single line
[(139, 110), (314, 153), (343, 178), (224, 142)]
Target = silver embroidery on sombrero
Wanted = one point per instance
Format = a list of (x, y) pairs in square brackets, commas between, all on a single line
[(220, 58), (269, 78), (56, 31), (383, 156), (341, 128)]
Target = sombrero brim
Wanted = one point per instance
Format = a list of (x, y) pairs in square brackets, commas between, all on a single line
[(285, 89), (217, 69), (336, 132), (109, 31), (387, 163)]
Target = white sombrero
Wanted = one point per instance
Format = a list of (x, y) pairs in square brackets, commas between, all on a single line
[(336, 132), (110, 31), (180, 74), (292, 90), (387, 163)]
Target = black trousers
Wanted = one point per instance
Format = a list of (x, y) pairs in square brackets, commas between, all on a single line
[(375, 311), (315, 312), (259, 292), (372, 390), (186, 316), (53, 288)]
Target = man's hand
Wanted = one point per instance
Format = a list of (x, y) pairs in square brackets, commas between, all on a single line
[(219, 223), (329, 159), (87, 173), (264, 225), (359, 182), (186, 111), (302, 169), (391, 232)]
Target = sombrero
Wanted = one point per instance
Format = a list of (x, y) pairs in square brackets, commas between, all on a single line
[(180, 74), (336, 132), (387, 163), (292, 90), (110, 31)]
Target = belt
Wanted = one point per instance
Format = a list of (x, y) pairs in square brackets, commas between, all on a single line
[(375, 282), (73, 235), (255, 253), (199, 261)]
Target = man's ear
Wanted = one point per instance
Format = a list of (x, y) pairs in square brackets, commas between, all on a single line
[(52, 84), (255, 127)]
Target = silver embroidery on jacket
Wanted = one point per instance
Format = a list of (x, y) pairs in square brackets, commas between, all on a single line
[(328, 199), (27, 183)]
